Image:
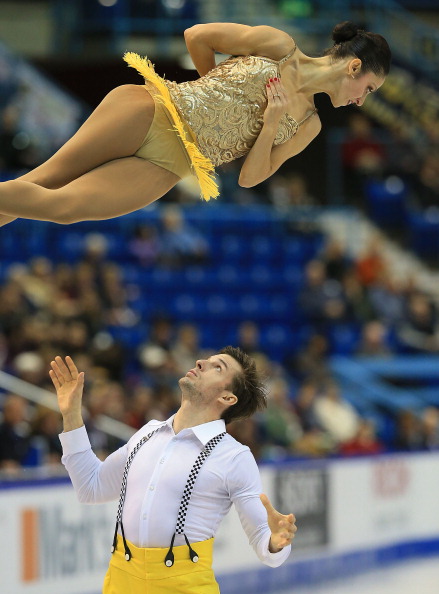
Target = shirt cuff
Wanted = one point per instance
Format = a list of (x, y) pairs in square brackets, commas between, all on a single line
[(274, 559), (75, 441), (280, 556)]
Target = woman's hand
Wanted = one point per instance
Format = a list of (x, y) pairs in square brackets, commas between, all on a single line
[(69, 385), (283, 528), (277, 102)]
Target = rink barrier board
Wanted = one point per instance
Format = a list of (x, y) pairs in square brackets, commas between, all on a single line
[(323, 570), (353, 516)]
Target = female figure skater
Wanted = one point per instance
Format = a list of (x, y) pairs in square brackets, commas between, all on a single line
[(142, 139)]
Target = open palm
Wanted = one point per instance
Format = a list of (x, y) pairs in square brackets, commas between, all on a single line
[(69, 385)]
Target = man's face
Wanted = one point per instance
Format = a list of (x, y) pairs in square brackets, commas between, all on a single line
[(209, 378)]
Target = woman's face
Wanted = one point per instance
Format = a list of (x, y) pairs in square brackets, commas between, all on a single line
[(355, 86)]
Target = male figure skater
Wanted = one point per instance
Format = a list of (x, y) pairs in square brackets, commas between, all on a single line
[(176, 480)]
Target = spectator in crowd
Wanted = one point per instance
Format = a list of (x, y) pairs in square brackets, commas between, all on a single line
[(186, 348), (364, 443), (314, 441), (388, 298), (419, 331), (14, 433), (310, 361), (249, 338), (144, 247), (94, 408), (304, 404), (116, 298), (358, 302), (180, 243), (46, 427), (140, 407), (427, 190), (161, 332), (370, 264), (363, 155), (335, 415), (430, 423), (15, 145), (321, 300), (289, 192), (248, 432), (14, 311), (281, 425), (30, 367), (409, 435), (373, 341), (337, 262), (404, 158), (95, 251)]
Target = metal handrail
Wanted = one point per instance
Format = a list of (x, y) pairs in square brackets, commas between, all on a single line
[(45, 398)]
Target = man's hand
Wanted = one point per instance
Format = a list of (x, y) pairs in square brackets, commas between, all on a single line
[(69, 385), (283, 528)]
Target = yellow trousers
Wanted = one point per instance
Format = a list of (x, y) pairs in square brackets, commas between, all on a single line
[(146, 572)]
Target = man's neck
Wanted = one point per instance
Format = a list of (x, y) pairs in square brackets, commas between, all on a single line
[(187, 417)]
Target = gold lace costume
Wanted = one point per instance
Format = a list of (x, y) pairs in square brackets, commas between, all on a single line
[(223, 109)]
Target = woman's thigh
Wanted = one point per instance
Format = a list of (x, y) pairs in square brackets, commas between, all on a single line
[(111, 190), (115, 129)]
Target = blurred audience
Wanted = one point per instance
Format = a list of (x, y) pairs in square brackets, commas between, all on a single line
[(335, 415), (14, 433), (373, 341), (364, 442), (363, 155), (418, 332), (145, 246), (180, 244)]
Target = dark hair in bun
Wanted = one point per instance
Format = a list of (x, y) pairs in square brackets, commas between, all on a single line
[(371, 48), (344, 32)]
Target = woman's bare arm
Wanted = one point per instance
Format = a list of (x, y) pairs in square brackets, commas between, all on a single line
[(263, 159), (232, 39)]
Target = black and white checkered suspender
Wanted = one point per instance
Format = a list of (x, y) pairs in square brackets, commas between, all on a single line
[(181, 519), (123, 493)]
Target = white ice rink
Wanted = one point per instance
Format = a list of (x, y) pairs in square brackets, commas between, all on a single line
[(409, 577)]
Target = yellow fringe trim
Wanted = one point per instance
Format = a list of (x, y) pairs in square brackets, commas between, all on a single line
[(202, 166)]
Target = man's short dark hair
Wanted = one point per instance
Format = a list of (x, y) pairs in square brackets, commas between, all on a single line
[(247, 386)]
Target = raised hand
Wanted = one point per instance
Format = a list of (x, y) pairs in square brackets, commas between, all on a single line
[(69, 385), (283, 527)]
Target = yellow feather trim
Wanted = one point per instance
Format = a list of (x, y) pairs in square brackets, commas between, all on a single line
[(201, 165)]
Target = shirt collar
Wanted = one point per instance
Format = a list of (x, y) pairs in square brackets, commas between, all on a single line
[(204, 432), (207, 431)]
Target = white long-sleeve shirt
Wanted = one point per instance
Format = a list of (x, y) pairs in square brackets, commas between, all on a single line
[(157, 478)]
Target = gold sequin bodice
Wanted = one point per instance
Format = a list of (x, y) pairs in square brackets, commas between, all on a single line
[(225, 107)]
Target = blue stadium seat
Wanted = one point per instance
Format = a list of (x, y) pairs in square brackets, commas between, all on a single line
[(424, 233), (386, 201)]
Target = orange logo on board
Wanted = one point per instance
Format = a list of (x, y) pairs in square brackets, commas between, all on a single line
[(30, 561)]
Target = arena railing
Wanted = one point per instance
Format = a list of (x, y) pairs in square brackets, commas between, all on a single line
[(42, 397)]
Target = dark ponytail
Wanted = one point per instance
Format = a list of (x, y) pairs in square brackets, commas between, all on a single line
[(371, 48)]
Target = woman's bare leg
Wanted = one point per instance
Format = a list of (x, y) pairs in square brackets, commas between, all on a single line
[(4, 220), (115, 129), (110, 190)]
